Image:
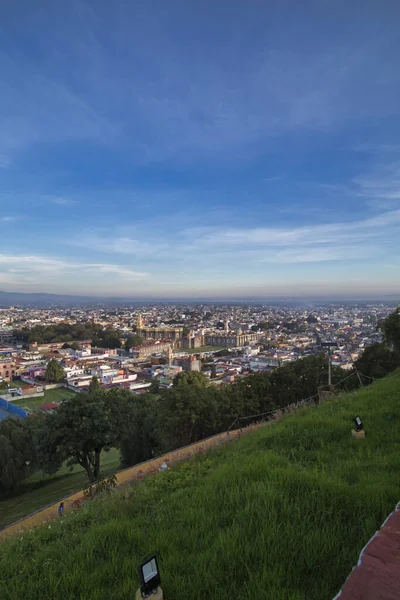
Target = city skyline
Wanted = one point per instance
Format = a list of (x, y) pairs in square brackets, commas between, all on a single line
[(200, 150)]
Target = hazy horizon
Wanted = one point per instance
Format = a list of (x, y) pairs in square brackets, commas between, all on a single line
[(7, 298), (200, 149)]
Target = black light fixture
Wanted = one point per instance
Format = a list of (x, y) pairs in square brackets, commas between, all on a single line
[(149, 576), (358, 423)]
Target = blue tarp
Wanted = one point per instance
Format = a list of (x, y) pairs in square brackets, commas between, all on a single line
[(14, 411), (3, 414)]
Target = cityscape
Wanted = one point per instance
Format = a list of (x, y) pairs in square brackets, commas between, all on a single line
[(152, 343)]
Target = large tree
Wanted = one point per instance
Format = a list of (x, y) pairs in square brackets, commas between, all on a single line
[(82, 428), (17, 452), (311, 319), (377, 361), (140, 440), (187, 413), (133, 340), (108, 338), (190, 378), (54, 371), (391, 329), (301, 379), (94, 385)]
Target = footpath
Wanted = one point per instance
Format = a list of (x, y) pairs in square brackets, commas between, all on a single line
[(377, 574)]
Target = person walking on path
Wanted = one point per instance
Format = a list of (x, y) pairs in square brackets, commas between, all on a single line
[(61, 509)]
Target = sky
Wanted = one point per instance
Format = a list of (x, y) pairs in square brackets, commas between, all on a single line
[(201, 148)]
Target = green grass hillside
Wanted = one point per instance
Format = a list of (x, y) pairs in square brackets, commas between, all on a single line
[(281, 514)]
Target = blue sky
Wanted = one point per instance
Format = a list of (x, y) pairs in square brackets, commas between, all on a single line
[(200, 148)]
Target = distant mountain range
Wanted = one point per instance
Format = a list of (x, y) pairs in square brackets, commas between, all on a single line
[(25, 299), (30, 299)]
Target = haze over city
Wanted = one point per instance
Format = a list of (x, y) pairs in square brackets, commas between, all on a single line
[(200, 149)]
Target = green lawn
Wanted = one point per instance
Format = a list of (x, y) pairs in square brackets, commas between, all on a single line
[(281, 514), (56, 395), (29, 404), (39, 490)]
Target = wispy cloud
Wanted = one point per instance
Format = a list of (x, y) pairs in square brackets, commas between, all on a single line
[(333, 233), (381, 188), (320, 254), (63, 201), (217, 247), (117, 244), (20, 268)]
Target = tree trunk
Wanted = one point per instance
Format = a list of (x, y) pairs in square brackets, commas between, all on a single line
[(85, 463), (96, 466)]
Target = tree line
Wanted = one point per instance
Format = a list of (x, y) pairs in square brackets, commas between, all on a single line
[(71, 334), (145, 426)]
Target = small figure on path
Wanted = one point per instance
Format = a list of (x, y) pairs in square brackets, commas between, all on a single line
[(61, 509)]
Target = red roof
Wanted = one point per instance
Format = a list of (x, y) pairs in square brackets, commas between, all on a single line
[(48, 406)]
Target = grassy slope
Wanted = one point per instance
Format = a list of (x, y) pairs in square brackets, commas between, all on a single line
[(280, 515), (39, 490)]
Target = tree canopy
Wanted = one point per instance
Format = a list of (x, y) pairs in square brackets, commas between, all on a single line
[(187, 413), (70, 333), (81, 428), (377, 361), (391, 329), (17, 452), (54, 371), (94, 385), (141, 440), (189, 378), (133, 340)]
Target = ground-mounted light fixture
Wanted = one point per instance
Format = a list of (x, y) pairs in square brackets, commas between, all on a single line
[(358, 423), (150, 580), (358, 432)]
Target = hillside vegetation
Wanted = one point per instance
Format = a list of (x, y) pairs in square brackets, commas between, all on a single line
[(281, 514)]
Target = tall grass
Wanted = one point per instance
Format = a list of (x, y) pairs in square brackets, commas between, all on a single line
[(281, 514)]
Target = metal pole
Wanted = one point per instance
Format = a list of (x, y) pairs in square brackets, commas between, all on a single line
[(329, 368)]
